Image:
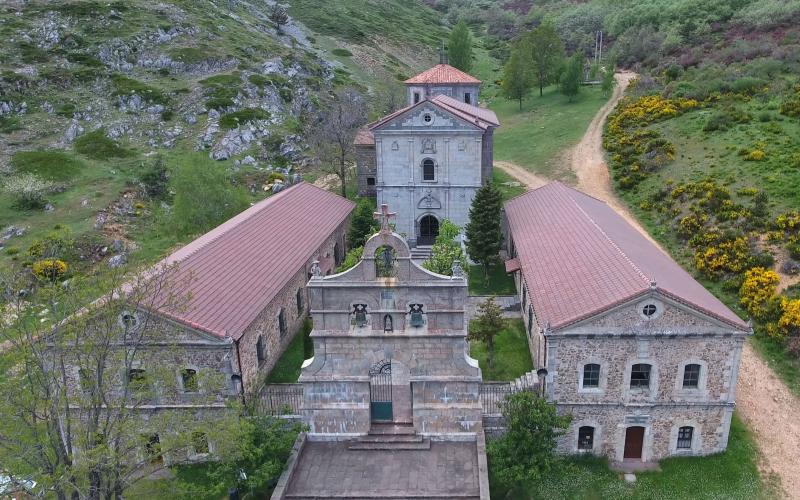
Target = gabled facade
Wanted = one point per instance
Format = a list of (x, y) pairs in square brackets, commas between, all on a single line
[(428, 159), (644, 358), (390, 346)]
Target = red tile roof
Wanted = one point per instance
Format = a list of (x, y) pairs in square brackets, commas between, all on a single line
[(482, 117), (234, 271), (364, 137), (442, 73), (579, 258)]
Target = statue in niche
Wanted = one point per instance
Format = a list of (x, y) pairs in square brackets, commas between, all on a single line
[(387, 323), (395, 146), (428, 146), (462, 145), (385, 262)]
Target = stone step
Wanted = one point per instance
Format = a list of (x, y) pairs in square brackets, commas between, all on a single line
[(399, 428), (391, 438), (367, 496), (425, 444)]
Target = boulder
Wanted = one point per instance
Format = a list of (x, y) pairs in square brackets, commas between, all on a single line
[(118, 260)]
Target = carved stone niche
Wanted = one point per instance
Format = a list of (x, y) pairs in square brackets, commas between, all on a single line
[(428, 146), (429, 201)]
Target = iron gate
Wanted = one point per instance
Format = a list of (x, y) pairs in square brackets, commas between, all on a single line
[(380, 391)]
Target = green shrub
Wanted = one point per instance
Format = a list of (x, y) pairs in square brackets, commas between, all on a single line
[(85, 59), (124, 86), (66, 109), (204, 195), (341, 52), (794, 250), (97, 146), (167, 115), (286, 94), (49, 269), (747, 85), (12, 250), (50, 165), (9, 124), (764, 116), (222, 80), (233, 120), (258, 80), (31, 54), (156, 179)]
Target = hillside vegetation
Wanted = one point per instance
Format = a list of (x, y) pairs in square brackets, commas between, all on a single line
[(102, 103)]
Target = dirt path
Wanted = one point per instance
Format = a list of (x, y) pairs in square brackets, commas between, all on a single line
[(764, 402)]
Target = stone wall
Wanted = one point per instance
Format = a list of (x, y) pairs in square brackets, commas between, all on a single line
[(266, 324), (366, 168), (711, 425)]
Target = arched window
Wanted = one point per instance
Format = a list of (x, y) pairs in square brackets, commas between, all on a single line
[(261, 354), (360, 315), (691, 376), (428, 170), (591, 376), (586, 438), (640, 376), (388, 325), (685, 438)]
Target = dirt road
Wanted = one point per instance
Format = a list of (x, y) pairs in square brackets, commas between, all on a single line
[(764, 402)]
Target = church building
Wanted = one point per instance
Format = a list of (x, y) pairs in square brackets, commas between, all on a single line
[(429, 158)]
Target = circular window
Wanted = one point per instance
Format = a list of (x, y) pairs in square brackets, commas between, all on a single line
[(128, 320), (649, 310), (427, 118)]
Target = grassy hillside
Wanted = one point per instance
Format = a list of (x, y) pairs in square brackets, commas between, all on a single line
[(101, 102)]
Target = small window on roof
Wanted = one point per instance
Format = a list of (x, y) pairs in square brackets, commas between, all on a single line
[(467, 98), (416, 97), (427, 118)]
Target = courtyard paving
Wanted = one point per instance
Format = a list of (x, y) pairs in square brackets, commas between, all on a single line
[(329, 470)]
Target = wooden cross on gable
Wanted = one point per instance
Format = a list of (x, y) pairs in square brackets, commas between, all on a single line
[(384, 215)]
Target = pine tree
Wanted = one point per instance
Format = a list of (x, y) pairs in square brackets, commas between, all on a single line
[(362, 225), (459, 47), (486, 325), (571, 81), (483, 232), (516, 77)]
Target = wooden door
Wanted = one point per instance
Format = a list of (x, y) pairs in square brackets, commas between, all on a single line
[(634, 439)]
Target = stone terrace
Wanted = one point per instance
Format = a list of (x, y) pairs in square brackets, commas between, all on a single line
[(328, 469)]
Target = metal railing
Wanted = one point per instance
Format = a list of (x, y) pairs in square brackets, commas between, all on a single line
[(280, 399)]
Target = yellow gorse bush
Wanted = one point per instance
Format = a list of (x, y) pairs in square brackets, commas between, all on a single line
[(757, 289), (51, 269), (790, 318)]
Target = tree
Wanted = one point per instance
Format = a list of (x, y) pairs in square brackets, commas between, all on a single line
[(278, 15), (486, 325), (75, 415), (445, 250), (331, 137), (483, 231), (573, 76), (204, 197), (525, 451), (545, 54), (608, 80), (516, 77), (459, 47), (362, 224)]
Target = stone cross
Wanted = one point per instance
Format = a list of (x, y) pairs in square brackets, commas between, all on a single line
[(384, 215)]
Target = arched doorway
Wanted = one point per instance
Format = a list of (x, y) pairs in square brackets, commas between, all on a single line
[(380, 391), (428, 230)]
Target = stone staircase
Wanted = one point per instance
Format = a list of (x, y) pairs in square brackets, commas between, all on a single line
[(526, 382), (390, 437), (422, 252)]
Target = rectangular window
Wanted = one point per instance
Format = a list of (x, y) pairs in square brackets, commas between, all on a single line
[(370, 181), (640, 376), (189, 378), (467, 98), (691, 376), (428, 170), (591, 376), (260, 354), (586, 438), (299, 300), (282, 322), (685, 438), (416, 97)]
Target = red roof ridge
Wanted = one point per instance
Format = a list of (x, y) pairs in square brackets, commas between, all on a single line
[(636, 268), (443, 73)]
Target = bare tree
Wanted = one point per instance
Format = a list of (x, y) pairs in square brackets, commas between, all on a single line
[(332, 136), (77, 411), (278, 15)]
